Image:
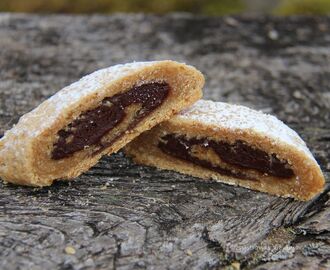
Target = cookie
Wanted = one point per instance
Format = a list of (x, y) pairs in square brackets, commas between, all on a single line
[(68, 133), (235, 145)]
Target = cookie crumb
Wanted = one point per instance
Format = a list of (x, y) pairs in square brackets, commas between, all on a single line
[(189, 252), (70, 250), (236, 265)]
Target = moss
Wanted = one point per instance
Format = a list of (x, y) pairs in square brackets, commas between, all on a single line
[(209, 7), (223, 7), (303, 7)]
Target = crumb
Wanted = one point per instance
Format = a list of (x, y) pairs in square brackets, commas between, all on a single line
[(236, 265), (70, 250), (189, 252), (103, 187)]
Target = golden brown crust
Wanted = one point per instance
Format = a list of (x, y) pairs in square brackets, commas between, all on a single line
[(307, 182), (25, 150)]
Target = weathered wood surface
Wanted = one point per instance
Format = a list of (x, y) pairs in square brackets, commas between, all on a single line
[(123, 216)]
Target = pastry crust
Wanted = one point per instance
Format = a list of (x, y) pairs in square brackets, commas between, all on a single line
[(25, 150), (230, 123)]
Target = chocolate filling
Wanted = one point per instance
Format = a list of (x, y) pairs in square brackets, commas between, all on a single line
[(239, 154), (91, 126)]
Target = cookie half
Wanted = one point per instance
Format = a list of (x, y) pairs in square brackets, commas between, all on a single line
[(99, 114), (235, 145)]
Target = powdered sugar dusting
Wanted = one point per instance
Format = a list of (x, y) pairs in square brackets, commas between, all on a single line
[(15, 145), (70, 95), (238, 118), (17, 163), (92, 82)]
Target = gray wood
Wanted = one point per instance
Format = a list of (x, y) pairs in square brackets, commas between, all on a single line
[(122, 216)]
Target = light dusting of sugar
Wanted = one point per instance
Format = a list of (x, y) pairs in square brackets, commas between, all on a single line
[(239, 118), (16, 142), (71, 94), (90, 84)]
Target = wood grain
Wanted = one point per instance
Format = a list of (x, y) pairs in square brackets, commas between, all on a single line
[(122, 216)]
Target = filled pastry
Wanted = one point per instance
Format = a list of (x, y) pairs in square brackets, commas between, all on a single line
[(68, 133), (232, 144)]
